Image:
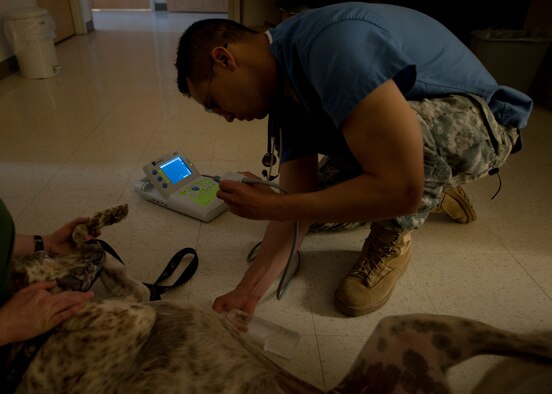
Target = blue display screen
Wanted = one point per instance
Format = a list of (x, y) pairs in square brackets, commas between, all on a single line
[(175, 169)]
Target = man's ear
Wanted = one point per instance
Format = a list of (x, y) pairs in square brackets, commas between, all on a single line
[(224, 58)]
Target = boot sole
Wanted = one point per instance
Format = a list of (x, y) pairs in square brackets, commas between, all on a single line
[(354, 312)]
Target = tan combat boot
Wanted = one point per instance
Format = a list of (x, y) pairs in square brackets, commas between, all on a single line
[(384, 257), (457, 206)]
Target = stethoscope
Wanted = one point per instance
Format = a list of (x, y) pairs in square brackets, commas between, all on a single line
[(270, 158)]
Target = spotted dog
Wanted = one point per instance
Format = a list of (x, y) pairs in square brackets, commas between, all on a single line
[(126, 344)]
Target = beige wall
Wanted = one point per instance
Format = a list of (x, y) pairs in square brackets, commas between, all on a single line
[(254, 12), (540, 17), (60, 12), (197, 6)]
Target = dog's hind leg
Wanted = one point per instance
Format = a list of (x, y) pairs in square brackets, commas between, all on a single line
[(412, 353)]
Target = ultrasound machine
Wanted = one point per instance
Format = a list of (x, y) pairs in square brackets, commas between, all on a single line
[(173, 182)]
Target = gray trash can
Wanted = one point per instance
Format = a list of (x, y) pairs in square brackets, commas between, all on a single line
[(512, 57), (30, 33)]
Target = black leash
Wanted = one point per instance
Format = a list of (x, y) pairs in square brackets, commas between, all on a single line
[(13, 375), (156, 290)]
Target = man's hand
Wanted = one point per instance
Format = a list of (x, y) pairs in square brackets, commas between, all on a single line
[(236, 299), (33, 311), (252, 201), (61, 240)]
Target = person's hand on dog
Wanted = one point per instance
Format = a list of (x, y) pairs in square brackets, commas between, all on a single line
[(61, 240), (33, 311), (236, 299)]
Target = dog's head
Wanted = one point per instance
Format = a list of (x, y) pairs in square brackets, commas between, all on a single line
[(75, 271)]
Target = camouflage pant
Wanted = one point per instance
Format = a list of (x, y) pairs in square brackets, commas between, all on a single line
[(462, 143)]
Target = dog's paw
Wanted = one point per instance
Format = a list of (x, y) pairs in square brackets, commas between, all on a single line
[(80, 234), (101, 219), (108, 217)]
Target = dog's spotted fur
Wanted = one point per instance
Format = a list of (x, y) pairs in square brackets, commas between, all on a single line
[(129, 345), (74, 271)]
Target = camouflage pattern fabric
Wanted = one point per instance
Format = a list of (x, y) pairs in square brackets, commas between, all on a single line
[(462, 143)]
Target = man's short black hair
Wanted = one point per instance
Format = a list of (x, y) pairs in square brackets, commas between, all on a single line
[(193, 59)]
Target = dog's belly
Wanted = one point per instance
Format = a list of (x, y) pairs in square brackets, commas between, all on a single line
[(118, 347), (195, 350)]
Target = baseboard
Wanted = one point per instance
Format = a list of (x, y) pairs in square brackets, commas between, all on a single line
[(90, 26), (8, 66)]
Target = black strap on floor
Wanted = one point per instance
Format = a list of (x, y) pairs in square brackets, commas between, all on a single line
[(156, 289)]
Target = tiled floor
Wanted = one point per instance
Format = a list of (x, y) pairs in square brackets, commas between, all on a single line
[(76, 143)]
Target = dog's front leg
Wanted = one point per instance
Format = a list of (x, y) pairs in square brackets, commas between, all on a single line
[(120, 284)]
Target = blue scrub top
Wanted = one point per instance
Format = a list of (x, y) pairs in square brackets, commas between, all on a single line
[(335, 56)]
